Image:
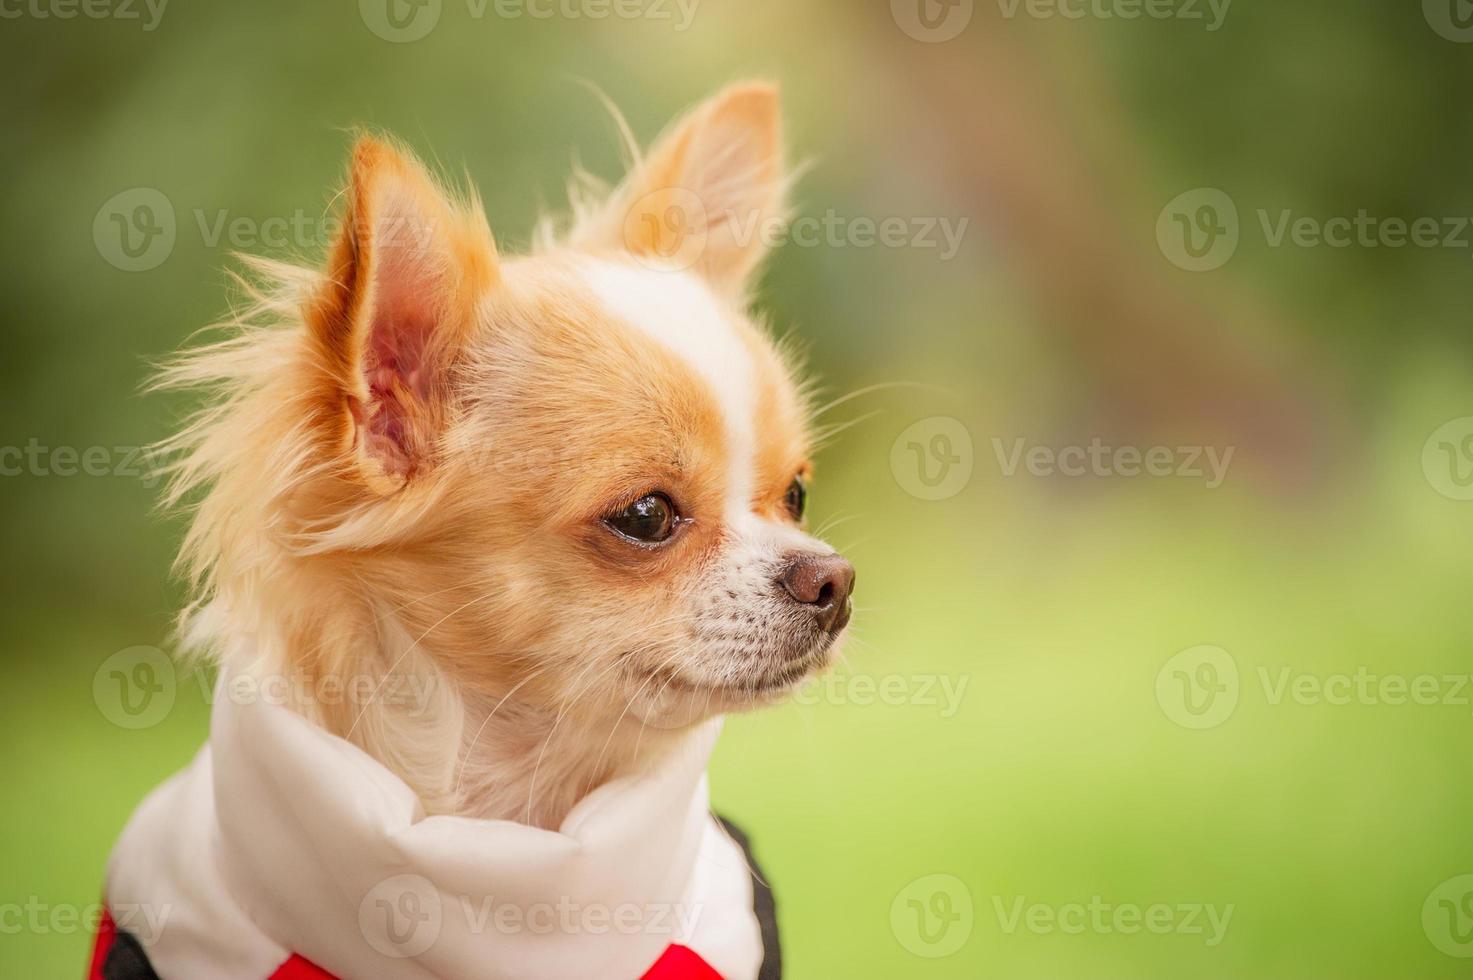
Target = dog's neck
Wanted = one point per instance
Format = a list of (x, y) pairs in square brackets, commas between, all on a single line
[(484, 754), (481, 752), (523, 764)]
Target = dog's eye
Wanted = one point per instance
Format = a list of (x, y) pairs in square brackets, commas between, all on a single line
[(796, 499), (649, 520)]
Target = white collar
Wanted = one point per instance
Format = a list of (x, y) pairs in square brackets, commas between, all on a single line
[(282, 838)]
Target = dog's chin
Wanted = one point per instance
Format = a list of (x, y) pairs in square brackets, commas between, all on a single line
[(672, 696)]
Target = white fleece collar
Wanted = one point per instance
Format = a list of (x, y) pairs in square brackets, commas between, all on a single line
[(280, 838)]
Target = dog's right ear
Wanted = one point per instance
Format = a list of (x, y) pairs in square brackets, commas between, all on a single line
[(706, 194), (404, 279)]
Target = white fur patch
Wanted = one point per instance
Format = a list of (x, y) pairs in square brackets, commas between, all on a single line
[(677, 310)]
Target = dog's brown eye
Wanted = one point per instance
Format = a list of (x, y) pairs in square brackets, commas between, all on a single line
[(796, 499), (649, 520)]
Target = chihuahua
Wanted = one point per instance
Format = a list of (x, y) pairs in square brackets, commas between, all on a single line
[(504, 536)]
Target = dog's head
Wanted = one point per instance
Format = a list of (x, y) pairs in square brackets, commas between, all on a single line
[(580, 474)]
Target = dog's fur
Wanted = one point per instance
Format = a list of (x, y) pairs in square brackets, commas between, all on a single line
[(401, 479)]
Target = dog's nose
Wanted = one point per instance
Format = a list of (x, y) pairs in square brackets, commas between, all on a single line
[(824, 584)]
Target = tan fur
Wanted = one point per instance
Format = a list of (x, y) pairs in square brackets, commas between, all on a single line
[(421, 524)]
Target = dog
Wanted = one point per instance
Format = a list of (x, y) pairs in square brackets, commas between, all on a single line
[(536, 522)]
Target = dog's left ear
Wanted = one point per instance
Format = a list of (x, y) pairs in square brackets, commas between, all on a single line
[(404, 279), (709, 193)]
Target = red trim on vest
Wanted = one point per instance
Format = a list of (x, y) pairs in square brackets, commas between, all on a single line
[(297, 968), (676, 963), (681, 963), (107, 932)]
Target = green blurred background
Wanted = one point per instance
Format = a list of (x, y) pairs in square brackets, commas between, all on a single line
[(1062, 773)]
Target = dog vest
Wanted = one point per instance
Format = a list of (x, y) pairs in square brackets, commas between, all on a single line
[(285, 853)]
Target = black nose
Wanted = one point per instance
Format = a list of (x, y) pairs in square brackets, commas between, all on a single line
[(824, 584)]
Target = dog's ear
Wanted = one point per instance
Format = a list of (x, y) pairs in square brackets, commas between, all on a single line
[(404, 278), (709, 193)]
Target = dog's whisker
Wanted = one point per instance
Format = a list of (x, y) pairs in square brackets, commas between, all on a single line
[(460, 774), (639, 736), (825, 435), (870, 390), (856, 545), (628, 704), (395, 665), (562, 713), (833, 522), (416, 601)]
